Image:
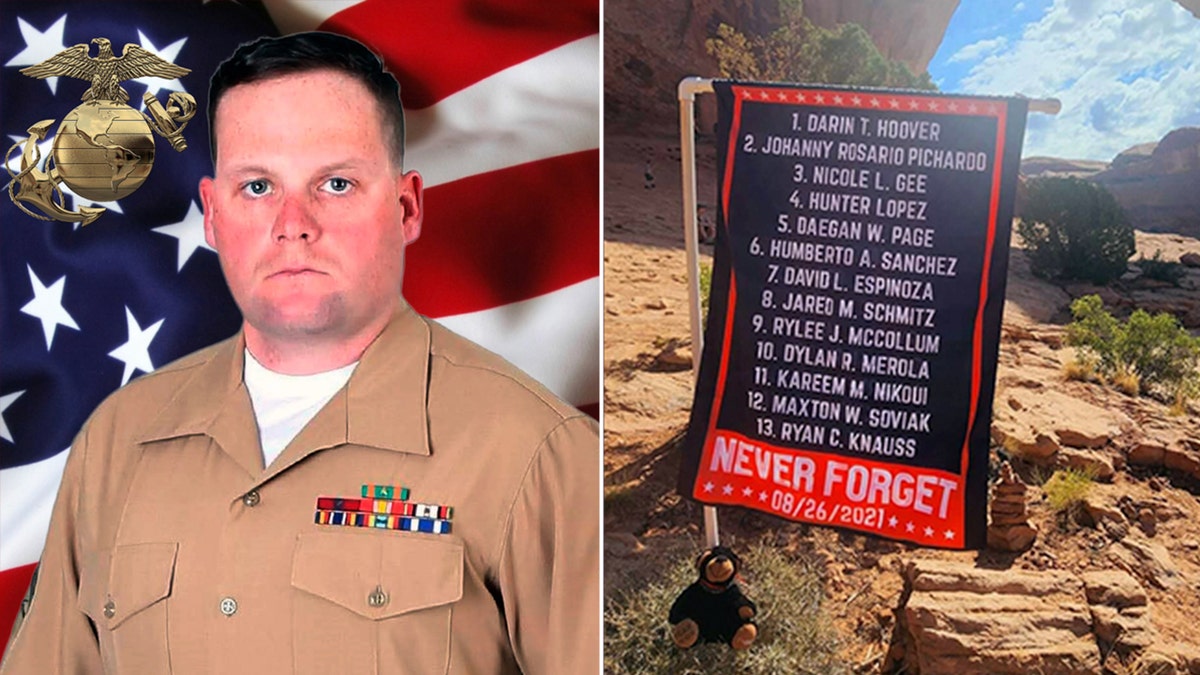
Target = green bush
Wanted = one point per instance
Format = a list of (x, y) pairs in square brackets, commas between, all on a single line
[(798, 51), (794, 633), (1155, 348), (1074, 230), (1067, 489), (1161, 270)]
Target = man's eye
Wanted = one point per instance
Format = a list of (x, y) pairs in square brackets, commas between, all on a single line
[(256, 188), (337, 185)]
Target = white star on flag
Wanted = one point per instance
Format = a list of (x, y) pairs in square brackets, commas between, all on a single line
[(78, 202), (168, 53), (46, 306), (189, 232), (40, 45), (44, 149), (6, 401), (135, 353), (708, 487), (728, 489)]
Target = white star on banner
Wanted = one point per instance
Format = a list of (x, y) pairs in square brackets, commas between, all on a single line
[(820, 98), (135, 353), (189, 232), (168, 53), (908, 527), (928, 531), (728, 489), (40, 45), (762, 496), (874, 102), (6, 401), (837, 100), (949, 534), (46, 306), (893, 521), (747, 491), (708, 487)]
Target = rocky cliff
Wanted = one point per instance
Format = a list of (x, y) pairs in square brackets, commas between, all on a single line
[(1156, 183), (650, 46)]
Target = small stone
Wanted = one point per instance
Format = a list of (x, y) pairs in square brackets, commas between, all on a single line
[(657, 303), (1011, 537), (1147, 521), (1010, 489), (1009, 518), (1190, 259)]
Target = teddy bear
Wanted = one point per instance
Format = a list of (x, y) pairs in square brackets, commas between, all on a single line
[(713, 608)]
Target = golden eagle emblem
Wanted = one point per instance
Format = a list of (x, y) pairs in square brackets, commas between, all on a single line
[(106, 71), (103, 149)]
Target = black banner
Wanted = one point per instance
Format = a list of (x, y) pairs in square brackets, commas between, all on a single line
[(858, 284)]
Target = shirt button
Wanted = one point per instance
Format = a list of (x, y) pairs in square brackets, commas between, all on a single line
[(110, 609), (377, 598), (228, 606), (251, 498)]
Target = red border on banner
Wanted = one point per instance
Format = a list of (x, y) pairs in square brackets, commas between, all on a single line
[(882, 509)]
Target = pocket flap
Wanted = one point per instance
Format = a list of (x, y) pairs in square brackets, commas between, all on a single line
[(346, 568), (139, 575)]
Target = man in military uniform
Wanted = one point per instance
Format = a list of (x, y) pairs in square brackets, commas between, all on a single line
[(343, 486)]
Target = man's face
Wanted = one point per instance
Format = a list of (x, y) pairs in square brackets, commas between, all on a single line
[(307, 211)]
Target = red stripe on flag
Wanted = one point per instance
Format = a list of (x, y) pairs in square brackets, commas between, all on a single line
[(506, 236), (437, 48), (13, 584)]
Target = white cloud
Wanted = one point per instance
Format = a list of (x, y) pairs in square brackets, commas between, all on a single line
[(973, 51), (1018, 7), (1125, 71)]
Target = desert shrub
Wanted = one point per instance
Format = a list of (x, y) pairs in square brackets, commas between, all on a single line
[(705, 285), (1080, 369), (1074, 229), (1161, 270), (1154, 349), (794, 633), (799, 51), (1067, 488)]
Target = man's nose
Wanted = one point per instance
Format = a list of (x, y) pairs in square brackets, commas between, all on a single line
[(296, 221)]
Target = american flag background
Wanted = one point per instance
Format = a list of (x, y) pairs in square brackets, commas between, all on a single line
[(503, 110)]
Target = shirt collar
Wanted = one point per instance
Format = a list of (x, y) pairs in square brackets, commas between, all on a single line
[(382, 406)]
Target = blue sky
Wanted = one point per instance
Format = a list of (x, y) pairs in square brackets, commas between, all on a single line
[(1126, 71)]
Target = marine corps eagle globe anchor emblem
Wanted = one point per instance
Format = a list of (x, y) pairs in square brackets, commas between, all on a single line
[(103, 149)]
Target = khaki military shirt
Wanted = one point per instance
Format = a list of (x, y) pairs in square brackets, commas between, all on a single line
[(173, 550)]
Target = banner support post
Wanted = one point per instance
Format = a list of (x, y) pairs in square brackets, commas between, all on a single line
[(688, 88)]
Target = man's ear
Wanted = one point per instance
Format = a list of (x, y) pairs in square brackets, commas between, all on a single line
[(208, 203), (410, 187)]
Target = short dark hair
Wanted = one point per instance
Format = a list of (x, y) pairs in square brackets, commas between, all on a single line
[(269, 57)]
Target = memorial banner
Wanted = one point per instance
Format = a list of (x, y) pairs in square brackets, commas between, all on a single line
[(858, 285)]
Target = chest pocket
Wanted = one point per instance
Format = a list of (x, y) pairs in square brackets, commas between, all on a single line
[(374, 602), (124, 593)]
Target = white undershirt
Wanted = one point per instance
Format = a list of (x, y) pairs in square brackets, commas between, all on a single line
[(283, 404)]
